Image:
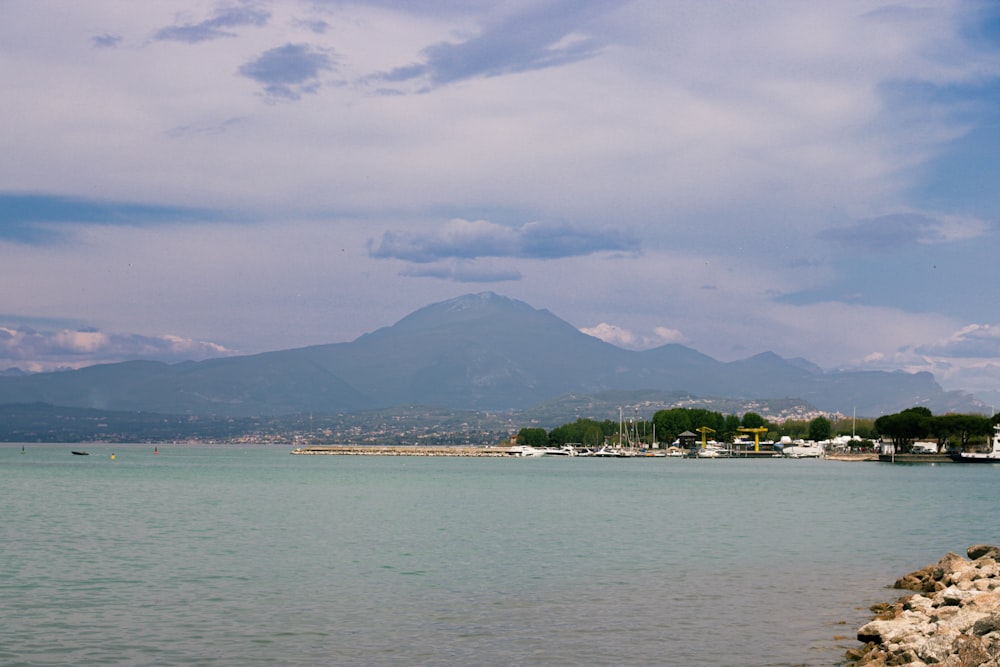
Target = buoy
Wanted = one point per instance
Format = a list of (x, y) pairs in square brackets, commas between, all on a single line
[(112, 456), (155, 450)]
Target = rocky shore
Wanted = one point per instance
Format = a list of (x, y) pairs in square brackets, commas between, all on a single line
[(953, 619)]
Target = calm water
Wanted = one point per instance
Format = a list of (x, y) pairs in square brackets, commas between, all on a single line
[(243, 556)]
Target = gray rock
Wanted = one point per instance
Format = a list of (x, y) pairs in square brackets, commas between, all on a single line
[(953, 619)]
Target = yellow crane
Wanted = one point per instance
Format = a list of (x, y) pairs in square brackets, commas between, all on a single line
[(704, 430), (756, 434)]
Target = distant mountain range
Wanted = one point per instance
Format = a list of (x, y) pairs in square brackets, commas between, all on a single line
[(479, 351)]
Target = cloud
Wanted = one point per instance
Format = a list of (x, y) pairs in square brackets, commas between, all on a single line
[(463, 272), (317, 26), (467, 239), (105, 41), (543, 35), (288, 71), (192, 130), (970, 342), (30, 218), (225, 17), (899, 231), (968, 359), (34, 350), (616, 335)]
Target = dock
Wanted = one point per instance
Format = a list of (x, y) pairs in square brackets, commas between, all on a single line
[(915, 458), (401, 450)]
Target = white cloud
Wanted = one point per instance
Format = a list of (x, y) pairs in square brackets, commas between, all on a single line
[(34, 350), (622, 337)]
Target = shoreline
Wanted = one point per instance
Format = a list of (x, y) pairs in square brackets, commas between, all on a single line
[(952, 619), (491, 452)]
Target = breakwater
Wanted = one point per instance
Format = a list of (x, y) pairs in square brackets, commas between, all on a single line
[(401, 450), (953, 619)]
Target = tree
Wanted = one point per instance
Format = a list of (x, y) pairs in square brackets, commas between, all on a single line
[(731, 426), (671, 423), (533, 437), (585, 431), (793, 428), (820, 429), (959, 427), (905, 427), (753, 420)]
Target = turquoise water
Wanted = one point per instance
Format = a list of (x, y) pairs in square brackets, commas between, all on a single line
[(243, 556)]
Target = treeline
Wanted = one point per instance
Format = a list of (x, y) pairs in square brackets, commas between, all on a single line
[(919, 424), (666, 425)]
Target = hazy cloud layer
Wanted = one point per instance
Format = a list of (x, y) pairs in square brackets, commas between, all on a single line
[(470, 239), (34, 218), (898, 231), (463, 271)]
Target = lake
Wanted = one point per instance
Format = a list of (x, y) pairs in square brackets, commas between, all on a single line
[(226, 555)]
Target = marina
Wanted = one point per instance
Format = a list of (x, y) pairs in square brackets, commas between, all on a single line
[(522, 451)]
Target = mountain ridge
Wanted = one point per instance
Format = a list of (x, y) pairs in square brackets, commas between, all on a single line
[(476, 351)]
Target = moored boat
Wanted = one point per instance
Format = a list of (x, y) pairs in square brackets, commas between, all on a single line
[(800, 449), (804, 451), (525, 451), (992, 456), (565, 450)]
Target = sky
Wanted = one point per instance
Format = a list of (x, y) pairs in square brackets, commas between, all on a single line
[(187, 179)]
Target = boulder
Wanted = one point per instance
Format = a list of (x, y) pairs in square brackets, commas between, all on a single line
[(953, 619), (977, 551)]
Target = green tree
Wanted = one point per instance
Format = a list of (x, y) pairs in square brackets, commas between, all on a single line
[(820, 429), (671, 423), (533, 437), (793, 428), (905, 427), (709, 418), (753, 420), (585, 431), (730, 428), (959, 429)]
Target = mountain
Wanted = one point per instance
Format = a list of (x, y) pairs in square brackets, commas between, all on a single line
[(478, 351)]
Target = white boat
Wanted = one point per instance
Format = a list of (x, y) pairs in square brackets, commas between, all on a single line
[(525, 451), (803, 450), (713, 451), (613, 451), (992, 456), (565, 450)]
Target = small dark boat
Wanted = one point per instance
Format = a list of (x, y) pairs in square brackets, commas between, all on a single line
[(76, 453)]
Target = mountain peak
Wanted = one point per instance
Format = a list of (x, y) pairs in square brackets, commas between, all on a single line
[(463, 308), (482, 300)]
